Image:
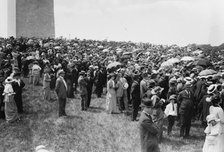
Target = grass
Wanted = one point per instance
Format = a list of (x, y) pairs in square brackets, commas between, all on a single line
[(91, 131)]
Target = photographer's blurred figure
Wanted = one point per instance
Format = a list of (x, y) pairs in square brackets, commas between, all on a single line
[(148, 130)]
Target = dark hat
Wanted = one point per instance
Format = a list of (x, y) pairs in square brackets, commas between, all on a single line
[(17, 74), (147, 102)]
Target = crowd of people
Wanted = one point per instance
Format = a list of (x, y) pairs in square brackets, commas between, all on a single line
[(181, 84)]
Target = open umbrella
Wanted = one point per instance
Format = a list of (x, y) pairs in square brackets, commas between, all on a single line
[(207, 72), (203, 62), (166, 64), (173, 60), (187, 58), (113, 64)]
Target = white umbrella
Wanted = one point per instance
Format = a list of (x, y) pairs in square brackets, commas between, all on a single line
[(166, 64), (173, 60), (187, 58)]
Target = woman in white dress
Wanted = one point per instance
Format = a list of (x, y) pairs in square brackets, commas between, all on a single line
[(11, 113), (111, 99), (215, 131)]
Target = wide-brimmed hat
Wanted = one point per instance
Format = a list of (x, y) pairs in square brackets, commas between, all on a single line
[(146, 102), (211, 117), (156, 90), (212, 88), (60, 72), (8, 80)]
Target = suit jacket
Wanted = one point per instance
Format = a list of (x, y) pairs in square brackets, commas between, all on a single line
[(185, 101), (135, 91), (60, 88), (143, 87), (18, 88), (148, 133), (82, 86)]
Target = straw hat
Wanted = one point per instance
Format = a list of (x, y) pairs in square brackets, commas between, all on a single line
[(212, 88), (8, 80)]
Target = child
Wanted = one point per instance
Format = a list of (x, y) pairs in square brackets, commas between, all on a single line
[(171, 112)]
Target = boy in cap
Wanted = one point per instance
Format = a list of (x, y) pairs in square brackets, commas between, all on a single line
[(171, 112)]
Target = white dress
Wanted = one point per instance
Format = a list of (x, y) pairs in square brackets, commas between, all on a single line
[(214, 142)]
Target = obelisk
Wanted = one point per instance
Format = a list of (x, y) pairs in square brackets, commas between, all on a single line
[(31, 18)]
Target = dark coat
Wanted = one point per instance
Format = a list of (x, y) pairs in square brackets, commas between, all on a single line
[(135, 91), (204, 106), (82, 86), (148, 134), (185, 102), (60, 88)]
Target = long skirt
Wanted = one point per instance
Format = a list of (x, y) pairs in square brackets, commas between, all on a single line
[(214, 143), (111, 102), (11, 113)]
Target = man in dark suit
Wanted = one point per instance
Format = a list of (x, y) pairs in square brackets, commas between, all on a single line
[(148, 130), (90, 81), (83, 90), (18, 86), (61, 90), (185, 103), (135, 96)]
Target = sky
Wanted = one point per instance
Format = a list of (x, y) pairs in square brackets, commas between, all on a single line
[(180, 22)]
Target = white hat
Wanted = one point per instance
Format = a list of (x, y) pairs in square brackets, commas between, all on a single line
[(212, 88), (211, 117), (188, 81)]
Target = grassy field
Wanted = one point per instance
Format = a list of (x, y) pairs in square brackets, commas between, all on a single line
[(90, 131)]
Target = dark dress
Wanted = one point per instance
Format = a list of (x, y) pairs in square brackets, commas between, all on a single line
[(18, 96), (2, 113)]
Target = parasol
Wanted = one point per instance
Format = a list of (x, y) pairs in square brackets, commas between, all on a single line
[(207, 72), (187, 58), (203, 62)]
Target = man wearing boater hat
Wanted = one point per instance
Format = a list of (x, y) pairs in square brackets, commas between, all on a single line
[(18, 86), (148, 130), (185, 102)]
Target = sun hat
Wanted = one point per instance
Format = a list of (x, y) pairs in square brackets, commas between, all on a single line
[(156, 90), (211, 117), (212, 88), (60, 72), (8, 80)]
